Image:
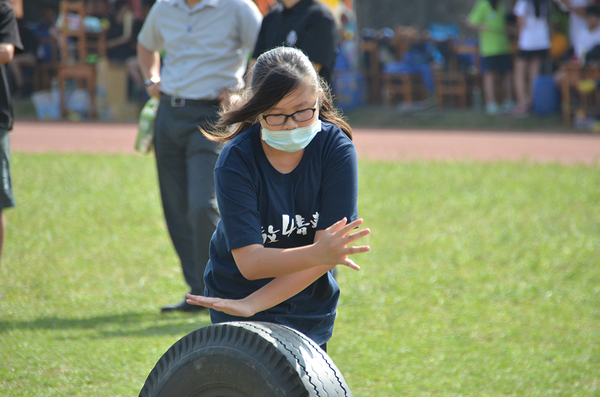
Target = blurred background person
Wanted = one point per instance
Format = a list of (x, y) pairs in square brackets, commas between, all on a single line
[(489, 18), (121, 42), (138, 89), (533, 48), (304, 24), (577, 23), (120, 32), (27, 59), (10, 42), (35, 49), (590, 37)]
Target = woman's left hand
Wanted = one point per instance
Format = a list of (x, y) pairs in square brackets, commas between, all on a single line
[(233, 307)]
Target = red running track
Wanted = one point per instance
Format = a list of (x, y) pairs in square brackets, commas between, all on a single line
[(377, 144)]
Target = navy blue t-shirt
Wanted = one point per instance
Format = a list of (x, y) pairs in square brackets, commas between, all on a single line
[(260, 205)]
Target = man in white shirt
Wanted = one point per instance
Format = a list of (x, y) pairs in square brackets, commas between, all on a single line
[(206, 46)]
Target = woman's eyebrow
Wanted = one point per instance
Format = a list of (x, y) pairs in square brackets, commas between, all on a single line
[(301, 106)]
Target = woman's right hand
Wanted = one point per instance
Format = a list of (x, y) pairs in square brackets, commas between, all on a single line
[(332, 248)]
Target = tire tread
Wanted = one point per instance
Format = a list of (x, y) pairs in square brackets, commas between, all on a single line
[(278, 349)]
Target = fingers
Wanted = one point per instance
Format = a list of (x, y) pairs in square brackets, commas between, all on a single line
[(231, 307), (202, 301), (340, 231), (356, 236), (358, 250), (347, 238), (351, 251), (337, 226), (341, 227), (349, 227), (350, 263), (354, 250)]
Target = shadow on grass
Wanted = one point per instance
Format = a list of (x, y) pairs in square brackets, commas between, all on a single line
[(141, 324)]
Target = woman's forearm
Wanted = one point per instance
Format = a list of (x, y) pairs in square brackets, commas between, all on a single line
[(276, 291), (257, 262), (334, 239), (330, 248), (282, 288)]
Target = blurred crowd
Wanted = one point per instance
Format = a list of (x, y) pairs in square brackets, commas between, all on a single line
[(517, 41), (120, 20)]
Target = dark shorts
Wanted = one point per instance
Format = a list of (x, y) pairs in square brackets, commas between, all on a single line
[(533, 54), (6, 192), (501, 64)]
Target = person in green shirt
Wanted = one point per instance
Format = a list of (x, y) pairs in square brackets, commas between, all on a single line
[(488, 17)]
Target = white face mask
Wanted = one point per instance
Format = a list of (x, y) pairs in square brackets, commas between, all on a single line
[(291, 140)]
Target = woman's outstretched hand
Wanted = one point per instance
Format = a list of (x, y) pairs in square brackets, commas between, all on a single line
[(233, 307), (333, 244)]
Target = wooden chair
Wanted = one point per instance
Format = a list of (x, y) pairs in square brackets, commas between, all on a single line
[(574, 100), (74, 51), (373, 70), (46, 70), (590, 99), (454, 86), (408, 87), (472, 50), (404, 37)]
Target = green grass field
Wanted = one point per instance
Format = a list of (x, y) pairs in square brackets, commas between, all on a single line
[(482, 280)]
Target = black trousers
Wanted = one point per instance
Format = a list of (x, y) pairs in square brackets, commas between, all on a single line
[(185, 162)]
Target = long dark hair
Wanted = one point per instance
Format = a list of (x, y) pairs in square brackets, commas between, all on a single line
[(276, 73), (539, 6)]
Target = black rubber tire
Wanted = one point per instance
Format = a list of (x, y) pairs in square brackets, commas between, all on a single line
[(241, 359)]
